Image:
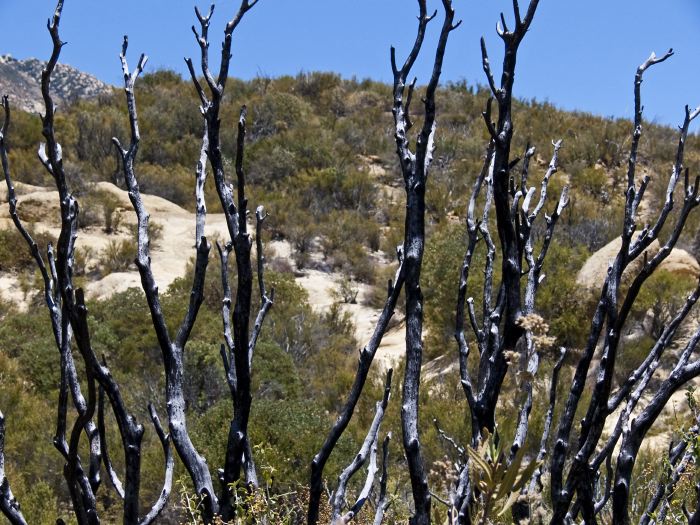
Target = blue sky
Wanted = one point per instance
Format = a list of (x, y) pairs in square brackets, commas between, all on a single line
[(578, 54)]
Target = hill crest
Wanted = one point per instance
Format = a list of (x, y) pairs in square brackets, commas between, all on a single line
[(20, 80)]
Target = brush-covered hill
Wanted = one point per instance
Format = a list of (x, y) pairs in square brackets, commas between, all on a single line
[(320, 157)]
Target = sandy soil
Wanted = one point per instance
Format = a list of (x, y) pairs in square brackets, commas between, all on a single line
[(174, 251), (176, 248)]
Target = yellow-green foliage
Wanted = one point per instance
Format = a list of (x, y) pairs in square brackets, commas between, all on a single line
[(305, 135), (498, 477), (15, 254)]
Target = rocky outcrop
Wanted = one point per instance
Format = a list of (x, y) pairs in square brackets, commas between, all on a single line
[(20, 80), (592, 274)]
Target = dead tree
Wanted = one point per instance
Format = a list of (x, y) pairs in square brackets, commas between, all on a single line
[(679, 460), (383, 501), (414, 169), (612, 312), (368, 449), (588, 471), (8, 504), (365, 362), (505, 338), (237, 353), (508, 307), (68, 314)]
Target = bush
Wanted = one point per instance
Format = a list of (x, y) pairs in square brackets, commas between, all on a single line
[(173, 183), (662, 296), (560, 300), (345, 292), (155, 233), (278, 112), (15, 254), (325, 190), (441, 265), (344, 238), (83, 255), (270, 161), (594, 181), (117, 256)]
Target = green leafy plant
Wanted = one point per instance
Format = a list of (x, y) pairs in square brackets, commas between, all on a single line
[(498, 476)]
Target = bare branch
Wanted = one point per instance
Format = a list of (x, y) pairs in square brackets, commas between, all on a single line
[(544, 440), (409, 98), (246, 5), (487, 120), (203, 41), (197, 86), (633, 436), (449, 440), (383, 502), (363, 367), (143, 259), (197, 293), (229, 363), (487, 70), (111, 473), (8, 504), (172, 353), (679, 459), (369, 447), (473, 232), (169, 468), (266, 301)]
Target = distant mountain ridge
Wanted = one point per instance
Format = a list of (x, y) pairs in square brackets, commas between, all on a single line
[(20, 80)]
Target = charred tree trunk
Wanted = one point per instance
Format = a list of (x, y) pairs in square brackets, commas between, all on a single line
[(68, 314), (508, 309), (240, 342), (414, 168)]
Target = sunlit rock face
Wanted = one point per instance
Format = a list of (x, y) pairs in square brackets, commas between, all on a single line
[(20, 80), (594, 271)]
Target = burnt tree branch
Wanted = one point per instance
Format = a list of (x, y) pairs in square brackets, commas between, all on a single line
[(368, 448)]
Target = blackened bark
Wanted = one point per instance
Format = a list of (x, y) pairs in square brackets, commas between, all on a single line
[(414, 169), (172, 351), (368, 448), (8, 504), (363, 367), (242, 350), (511, 256), (238, 360), (614, 317)]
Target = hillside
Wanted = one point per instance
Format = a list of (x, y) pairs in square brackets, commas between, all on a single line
[(19, 79), (176, 238), (320, 157)]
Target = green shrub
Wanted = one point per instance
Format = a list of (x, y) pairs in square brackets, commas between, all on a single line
[(99, 206), (660, 298), (278, 112), (117, 256), (276, 376), (174, 183), (345, 292), (15, 254), (155, 233), (441, 265), (83, 255), (325, 190), (593, 180)]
